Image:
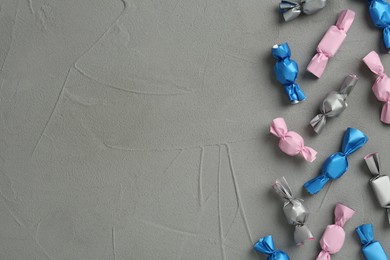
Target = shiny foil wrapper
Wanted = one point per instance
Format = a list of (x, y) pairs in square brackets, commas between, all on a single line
[(380, 183), (334, 103), (333, 238), (337, 164), (380, 15), (371, 249), (266, 246), (293, 8), (295, 211), (286, 71)]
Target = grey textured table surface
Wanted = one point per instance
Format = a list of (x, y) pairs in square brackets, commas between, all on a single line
[(138, 129)]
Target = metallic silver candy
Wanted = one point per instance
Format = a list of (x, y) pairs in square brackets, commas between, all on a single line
[(334, 103), (380, 183), (293, 8), (295, 211)]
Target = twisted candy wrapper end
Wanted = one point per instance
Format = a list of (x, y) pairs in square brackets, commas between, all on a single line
[(373, 163), (331, 42), (290, 10), (291, 142), (337, 164), (381, 87), (282, 188), (334, 104), (385, 114), (388, 214), (281, 51), (318, 64), (294, 93), (293, 8), (318, 123), (315, 185), (266, 246), (296, 212), (342, 214), (278, 127), (386, 38), (371, 249), (334, 236), (301, 234), (374, 63), (309, 154), (348, 84)]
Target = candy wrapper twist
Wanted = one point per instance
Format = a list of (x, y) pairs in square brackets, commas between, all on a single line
[(371, 249), (293, 8), (331, 43), (381, 87), (337, 164), (334, 103), (286, 71), (380, 183), (291, 142), (266, 246), (334, 235), (380, 15), (295, 211)]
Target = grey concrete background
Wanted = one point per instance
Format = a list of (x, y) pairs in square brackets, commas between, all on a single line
[(138, 129)]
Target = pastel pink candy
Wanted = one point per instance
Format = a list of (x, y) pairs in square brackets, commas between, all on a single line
[(331, 43), (291, 142), (381, 87), (334, 236)]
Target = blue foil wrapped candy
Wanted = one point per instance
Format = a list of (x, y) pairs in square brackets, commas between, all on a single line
[(371, 249), (286, 71), (380, 15), (266, 246), (337, 164)]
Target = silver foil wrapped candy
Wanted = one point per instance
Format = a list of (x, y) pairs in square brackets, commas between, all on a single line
[(380, 183), (293, 8), (295, 211), (334, 103)]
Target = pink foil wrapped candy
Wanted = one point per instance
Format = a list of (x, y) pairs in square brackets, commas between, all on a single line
[(334, 235), (381, 87), (291, 142), (331, 42)]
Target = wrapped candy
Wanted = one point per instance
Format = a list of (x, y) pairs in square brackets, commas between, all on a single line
[(334, 235), (334, 103), (293, 8), (266, 246), (337, 164), (371, 249), (295, 211), (380, 15), (331, 42), (381, 87), (291, 142), (286, 71), (380, 183)]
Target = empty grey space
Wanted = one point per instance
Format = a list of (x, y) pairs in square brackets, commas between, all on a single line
[(139, 129)]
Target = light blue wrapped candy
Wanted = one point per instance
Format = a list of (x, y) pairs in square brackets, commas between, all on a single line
[(266, 246), (286, 71), (337, 164), (371, 249), (380, 15)]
